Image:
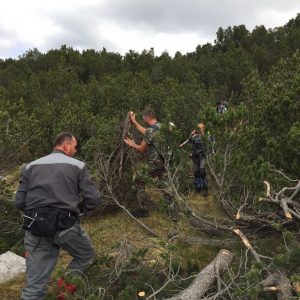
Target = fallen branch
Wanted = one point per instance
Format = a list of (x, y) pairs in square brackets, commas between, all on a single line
[(287, 203), (206, 278), (280, 285), (238, 214), (246, 242)]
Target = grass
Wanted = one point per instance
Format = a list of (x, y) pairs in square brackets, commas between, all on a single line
[(10, 182), (108, 230), (205, 205)]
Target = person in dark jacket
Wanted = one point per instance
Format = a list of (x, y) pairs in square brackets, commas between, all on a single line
[(221, 107), (53, 191), (197, 139)]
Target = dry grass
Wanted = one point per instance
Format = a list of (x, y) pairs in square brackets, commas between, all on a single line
[(11, 290), (108, 230), (205, 205)]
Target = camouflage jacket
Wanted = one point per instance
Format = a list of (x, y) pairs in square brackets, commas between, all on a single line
[(153, 156)]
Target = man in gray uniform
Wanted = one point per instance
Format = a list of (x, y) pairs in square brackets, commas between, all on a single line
[(53, 191)]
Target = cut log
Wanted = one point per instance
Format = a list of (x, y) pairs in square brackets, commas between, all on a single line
[(206, 278), (124, 134), (279, 284)]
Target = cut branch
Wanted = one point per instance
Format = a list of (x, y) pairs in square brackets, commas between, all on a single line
[(248, 245), (279, 284), (206, 278)]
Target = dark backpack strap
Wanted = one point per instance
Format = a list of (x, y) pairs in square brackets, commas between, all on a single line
[(156, 127)]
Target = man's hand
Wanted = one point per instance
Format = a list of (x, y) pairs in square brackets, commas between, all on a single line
[(139, 127), (132, 117), (140, 148), (193, 132), (131, 143)]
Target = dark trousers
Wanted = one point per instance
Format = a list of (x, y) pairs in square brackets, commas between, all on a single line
[(200, 178)]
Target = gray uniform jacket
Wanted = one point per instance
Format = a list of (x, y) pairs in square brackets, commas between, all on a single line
[(57, 180)]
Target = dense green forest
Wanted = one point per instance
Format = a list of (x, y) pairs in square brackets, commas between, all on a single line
[(89, 93)]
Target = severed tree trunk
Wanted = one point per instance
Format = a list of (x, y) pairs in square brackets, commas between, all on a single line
[(206, 278), (279, 284), (124, 134), (119, 154)]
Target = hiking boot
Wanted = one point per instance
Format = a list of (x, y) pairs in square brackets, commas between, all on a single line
[(205, 193), (198, 190)]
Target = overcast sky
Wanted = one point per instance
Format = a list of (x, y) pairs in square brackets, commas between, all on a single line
[(121, 25)]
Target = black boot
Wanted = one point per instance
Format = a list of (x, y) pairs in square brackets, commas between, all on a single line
[(198, 190)]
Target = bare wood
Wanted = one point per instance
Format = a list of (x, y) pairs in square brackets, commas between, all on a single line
[(268, 190), (286, 209), (282, 174), (248, 245), (238, 214), (271, 289), (297, 189), (206, 278), (124, 134), (279, 284)]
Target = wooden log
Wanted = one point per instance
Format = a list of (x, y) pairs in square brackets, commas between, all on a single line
[(124, 134), (279, 284), (206, 278)]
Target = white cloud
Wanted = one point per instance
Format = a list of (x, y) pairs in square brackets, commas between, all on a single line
[(120, 25)]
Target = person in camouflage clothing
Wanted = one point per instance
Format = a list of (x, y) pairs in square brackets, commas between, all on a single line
[(156, 164)]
